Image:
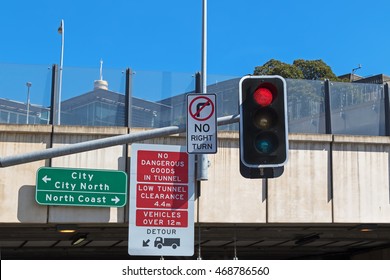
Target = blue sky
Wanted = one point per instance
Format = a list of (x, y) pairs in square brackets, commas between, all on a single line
[(166, 35)]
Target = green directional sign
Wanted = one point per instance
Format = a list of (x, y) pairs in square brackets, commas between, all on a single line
[(81, 187)]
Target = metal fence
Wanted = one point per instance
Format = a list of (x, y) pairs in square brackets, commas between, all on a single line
[(123, 97)]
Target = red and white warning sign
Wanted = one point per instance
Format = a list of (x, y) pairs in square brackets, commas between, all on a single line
[(162, 196), (161, 201), (162, 166), (201, 124)]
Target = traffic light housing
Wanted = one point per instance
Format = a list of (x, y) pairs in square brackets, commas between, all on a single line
[(263, 124)]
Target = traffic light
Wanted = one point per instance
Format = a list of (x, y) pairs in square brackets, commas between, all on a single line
[(263, 125)]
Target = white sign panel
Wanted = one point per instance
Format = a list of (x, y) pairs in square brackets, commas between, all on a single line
[(161, 201), (201, 124)]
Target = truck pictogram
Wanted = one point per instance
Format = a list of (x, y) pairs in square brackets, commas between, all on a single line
[(160, 242)]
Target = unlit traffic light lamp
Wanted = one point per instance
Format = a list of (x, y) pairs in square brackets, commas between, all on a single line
[(263, 126)]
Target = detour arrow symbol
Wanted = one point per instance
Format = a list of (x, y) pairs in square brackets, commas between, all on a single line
[(145, 243)]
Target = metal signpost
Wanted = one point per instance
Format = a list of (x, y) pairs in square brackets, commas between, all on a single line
[(162, 201), (81, 187), (201, 124)]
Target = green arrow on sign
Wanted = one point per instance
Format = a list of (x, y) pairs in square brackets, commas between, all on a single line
[(81, 187)]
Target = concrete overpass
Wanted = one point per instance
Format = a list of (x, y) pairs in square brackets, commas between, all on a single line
[(332, 202)]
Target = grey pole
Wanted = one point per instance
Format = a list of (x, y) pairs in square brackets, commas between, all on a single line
[(128, 97), (28, 84), (204, 47), (203, 162), (101, 143), (61, 30)]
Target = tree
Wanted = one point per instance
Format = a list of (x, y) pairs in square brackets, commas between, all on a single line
[(300, 69), (315, 69), (276, 67)]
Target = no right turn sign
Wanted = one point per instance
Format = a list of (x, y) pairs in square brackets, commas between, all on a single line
[(201, 124)]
